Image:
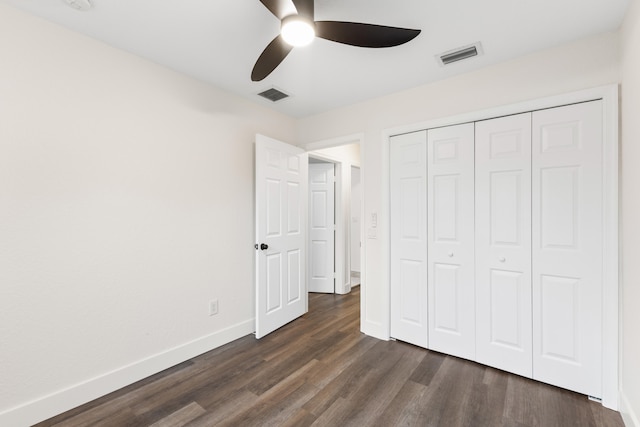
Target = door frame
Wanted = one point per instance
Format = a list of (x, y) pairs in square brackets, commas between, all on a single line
[(343, 235), (350, 270), (609, 94), (336, 208)]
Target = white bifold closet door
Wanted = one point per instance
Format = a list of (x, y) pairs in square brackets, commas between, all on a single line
[(567, 247), (408, 200), (451, 288), (503, 243)]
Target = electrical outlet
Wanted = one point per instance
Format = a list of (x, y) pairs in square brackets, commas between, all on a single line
[(213, 307)]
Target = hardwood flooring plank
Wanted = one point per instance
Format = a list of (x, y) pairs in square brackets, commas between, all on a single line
[(291, 382), (604, 417), (297, 357), (206, 378), (210, 394), (486, 406), (564, 408), (301, 418), (335, 415), (449, 393), (405, 408), (428, 368), (343, 383), (520, 402), (342, 358), (181, 417), (226, 407), (273, 412), (369, 403)]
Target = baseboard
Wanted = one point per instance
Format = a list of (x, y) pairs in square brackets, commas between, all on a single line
[(63, 400), (374, 329), (344, 289), (629, 417)]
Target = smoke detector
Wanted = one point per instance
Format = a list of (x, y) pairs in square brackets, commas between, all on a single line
[(81, 5)]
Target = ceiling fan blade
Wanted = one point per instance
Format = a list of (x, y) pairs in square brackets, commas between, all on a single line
[(364, 35), (270, 58), (280, 8), (305, 8)]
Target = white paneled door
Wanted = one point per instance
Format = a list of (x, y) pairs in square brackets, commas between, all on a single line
[(281, 224), (567, 246), (321, 227), (408, 174), (451, 287), (503, 243)]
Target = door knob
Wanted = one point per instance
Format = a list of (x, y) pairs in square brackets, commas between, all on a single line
[(502, 259), (450, 254), (264, 246)]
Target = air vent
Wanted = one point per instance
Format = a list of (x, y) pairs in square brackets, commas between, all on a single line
[(459, 54), (273, 94)]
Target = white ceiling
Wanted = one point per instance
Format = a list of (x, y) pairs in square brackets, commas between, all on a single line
[(218, 41)]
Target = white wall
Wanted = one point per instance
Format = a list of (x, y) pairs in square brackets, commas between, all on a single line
[(126, 204), (630, 159), (582, 64), (348, 153)]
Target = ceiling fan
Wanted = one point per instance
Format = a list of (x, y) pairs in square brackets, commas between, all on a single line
[(299, 28)]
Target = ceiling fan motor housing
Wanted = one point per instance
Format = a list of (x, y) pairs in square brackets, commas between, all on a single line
[(297, 30)]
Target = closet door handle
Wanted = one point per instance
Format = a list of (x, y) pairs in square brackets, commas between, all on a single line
[(450, 254), (502, 259)]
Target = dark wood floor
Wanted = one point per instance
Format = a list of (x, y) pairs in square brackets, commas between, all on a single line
[(320, 370)]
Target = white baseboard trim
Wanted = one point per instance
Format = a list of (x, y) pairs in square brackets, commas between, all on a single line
[(63, 400), (629, 417), (374, 329), (346, 288)]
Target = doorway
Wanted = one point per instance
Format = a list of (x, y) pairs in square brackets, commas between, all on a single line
[(322, 227), (345, 159)]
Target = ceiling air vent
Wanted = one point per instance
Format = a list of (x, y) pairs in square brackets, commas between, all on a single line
[(273, 94), (459, 54)]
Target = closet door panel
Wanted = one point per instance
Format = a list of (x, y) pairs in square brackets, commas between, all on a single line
[(450, 237), (408, 170), (503, 243), (567, 247), (507, 293), (446, 292)]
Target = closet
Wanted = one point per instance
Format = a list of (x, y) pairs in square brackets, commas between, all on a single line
[(496, 243)]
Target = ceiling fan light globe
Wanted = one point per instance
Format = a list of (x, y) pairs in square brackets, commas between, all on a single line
[(297, 31)]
